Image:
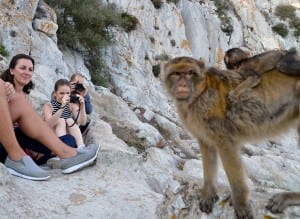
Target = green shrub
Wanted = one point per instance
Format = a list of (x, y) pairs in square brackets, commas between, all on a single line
[(3, 51), (157, 3), (297, 33), (222, 7), (152, 39), (281, 29), (174, 1), (84, 25), (285, 11), (295, 23), (173, 42), (162, 57), (97, 66), (226, 25), (129, 22), (156, 70)]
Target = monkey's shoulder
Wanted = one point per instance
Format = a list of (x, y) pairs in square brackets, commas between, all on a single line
[(224, 77), (216, 73)]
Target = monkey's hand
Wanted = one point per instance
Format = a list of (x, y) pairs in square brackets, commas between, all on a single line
[(278, 202), (243, 212), (207, 200)]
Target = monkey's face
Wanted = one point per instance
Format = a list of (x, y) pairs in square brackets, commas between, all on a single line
[(234, 57), (182, 76), (181, 84), (227, 62)]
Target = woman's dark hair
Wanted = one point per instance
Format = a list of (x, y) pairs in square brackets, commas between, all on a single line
[(7, 76), (61, 82)]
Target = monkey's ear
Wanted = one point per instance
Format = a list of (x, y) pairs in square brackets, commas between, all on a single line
[(162, 75), (201, 63)]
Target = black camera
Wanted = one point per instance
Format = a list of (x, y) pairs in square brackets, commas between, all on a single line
[(79, 87), (74, 99)]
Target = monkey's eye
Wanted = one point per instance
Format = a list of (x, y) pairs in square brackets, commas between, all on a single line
[(174, 75), (191, 72)]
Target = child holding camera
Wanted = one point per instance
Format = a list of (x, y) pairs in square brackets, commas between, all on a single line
[(65, 112)]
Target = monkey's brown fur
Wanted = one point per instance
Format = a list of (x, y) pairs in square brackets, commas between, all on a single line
[(237, 59), (251, 68), (221, 126)]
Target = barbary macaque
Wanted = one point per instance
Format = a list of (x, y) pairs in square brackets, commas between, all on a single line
[(222, 126), (251, 68)]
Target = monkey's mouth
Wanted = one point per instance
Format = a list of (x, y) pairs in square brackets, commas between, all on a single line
[(182, 95), (182, 92)]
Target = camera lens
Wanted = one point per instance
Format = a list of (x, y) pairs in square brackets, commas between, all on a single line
[(79, 87)]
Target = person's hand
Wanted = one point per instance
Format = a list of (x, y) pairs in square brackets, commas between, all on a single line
[(65, 100), (10, 91), (81, 99)]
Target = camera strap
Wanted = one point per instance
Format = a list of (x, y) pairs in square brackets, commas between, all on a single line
[(76, 118)]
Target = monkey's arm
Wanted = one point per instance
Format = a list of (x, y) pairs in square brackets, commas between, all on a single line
[(250, 82), (262, 62), (252, 68), (235, 77), (233, 166), (210, 169), (287, 62)]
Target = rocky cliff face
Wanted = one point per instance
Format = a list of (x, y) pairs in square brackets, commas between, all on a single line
[(149, 166)]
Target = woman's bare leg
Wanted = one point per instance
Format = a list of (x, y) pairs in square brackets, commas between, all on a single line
[(74, 130), (33, 126), (60, 127), (7, 134)]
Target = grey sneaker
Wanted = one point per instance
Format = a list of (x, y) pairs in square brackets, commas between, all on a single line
[(85, 157), (26, 168), (54, 163)]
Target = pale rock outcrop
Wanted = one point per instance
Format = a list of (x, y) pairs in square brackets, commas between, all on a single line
[(124, 122), (47, 27), (131, 60), (133, 178)]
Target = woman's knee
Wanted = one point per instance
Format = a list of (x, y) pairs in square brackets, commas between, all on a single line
[(61, 123)]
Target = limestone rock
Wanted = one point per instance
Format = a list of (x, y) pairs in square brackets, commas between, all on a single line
[(164, 178), (47, 27)]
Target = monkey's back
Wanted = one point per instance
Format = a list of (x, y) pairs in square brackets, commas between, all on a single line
[(270, 108), (264, 111)]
